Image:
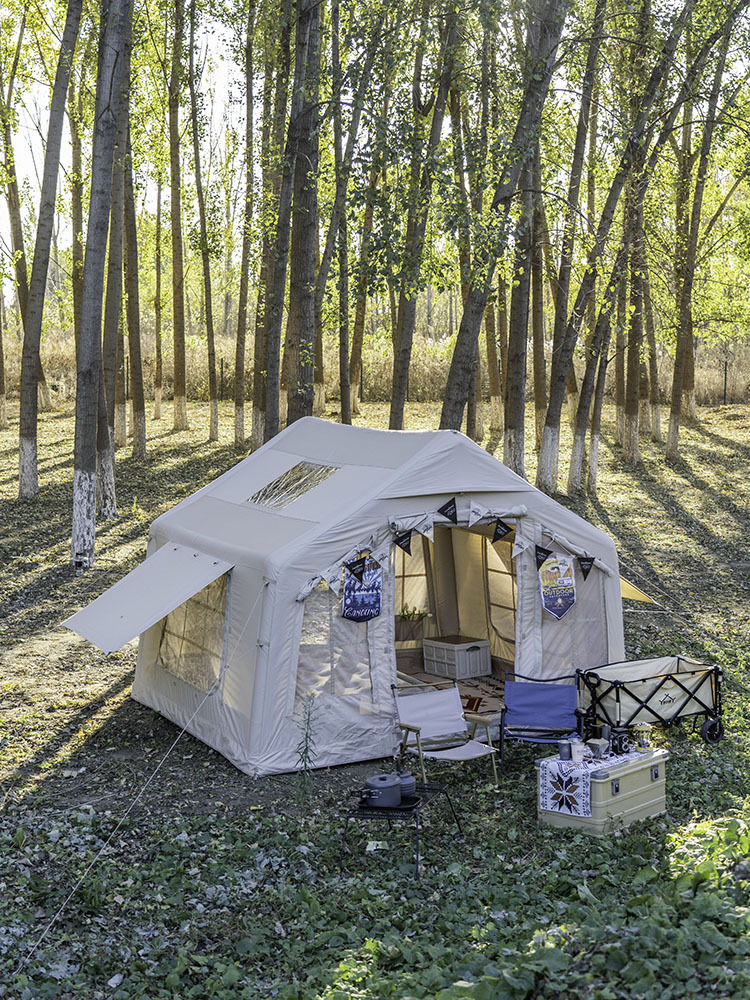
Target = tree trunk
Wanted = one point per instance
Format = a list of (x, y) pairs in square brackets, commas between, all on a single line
[(274, 303), (304, 240), (537, 306), (343, 244), (685, 318), (247, 220), (28, 480), (89, 361), (175, 182), (158, 360), (75, 119), (596, 350), (515, 387), (360, 307), (631, 445), (134, 311), (493, 372), (653, 366), (213, 393), (113, 297), (596, 419), (545, 30), (3, 406), (272, 141), (635, 156), (120, 432), (622, 305)]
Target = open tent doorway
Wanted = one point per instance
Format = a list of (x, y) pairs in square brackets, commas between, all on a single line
[(459, 584)]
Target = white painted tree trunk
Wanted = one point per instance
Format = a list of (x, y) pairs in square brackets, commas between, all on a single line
[(354, 397), (105, 483), (575, 469), (547, 467), (513, 455), (157, 403), (213, 420), (180, 414), (283, 407), (656, 422), (258, 433), (630, 444), (673, 436), (3, 413), (84, 519), (121, 424), (28, 478)]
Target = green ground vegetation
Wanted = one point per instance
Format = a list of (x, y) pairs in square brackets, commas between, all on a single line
[(218, 885)]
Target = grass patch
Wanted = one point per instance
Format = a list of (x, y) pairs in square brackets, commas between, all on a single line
[(218, 885)]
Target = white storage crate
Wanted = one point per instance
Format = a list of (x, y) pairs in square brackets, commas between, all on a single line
[(457, 656)]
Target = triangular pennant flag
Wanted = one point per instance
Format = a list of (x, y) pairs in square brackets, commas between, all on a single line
[(403, 540), (501, 530), (357, 568), (541, 555), (476, 513), (585, 562), (449, 510)]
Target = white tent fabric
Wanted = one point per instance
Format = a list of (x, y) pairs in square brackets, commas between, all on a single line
[(146, 595), (282, 523)]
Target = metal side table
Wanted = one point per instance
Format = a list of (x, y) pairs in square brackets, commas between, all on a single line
[(410, 809)]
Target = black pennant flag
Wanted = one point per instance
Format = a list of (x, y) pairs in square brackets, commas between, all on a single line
[(585, 562), (403, 540), (357, 568), (541, 555), (501, 530), (449, 510)]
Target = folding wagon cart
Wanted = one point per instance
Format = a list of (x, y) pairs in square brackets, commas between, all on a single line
[(663, 690)]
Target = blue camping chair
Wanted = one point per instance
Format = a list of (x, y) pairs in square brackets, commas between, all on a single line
[(538, 711)]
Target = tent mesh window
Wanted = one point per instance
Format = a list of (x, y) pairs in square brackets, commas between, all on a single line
[(292, 484), (334, 654), (192, 637)]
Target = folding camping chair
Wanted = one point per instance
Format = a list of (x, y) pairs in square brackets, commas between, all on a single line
[(537, 711), (435, 727)]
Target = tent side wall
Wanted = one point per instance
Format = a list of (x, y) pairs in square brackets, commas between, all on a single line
[(221, 719)]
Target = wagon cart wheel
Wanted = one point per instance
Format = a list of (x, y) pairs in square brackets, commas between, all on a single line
[(712, 730)]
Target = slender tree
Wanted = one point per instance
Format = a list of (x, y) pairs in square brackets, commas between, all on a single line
[(28, 480), (213, 394), (108, 89), (175, 181)]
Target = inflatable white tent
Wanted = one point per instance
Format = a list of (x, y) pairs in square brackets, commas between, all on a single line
[(241, 592)]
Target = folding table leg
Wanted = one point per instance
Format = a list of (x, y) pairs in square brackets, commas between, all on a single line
[(455, 816)]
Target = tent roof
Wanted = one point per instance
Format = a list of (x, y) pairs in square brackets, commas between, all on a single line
[(365, 466)]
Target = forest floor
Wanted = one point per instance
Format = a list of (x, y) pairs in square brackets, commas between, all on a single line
[(222, 885)]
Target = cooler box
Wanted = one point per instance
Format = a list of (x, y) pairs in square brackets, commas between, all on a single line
[(621, 793), (457, 656)]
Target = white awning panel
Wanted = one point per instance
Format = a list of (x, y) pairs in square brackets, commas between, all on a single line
[(168, 578)]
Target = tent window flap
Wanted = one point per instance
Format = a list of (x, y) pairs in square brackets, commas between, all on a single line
[(164, 581)]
